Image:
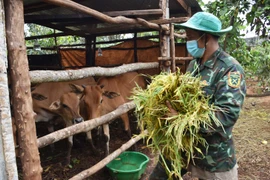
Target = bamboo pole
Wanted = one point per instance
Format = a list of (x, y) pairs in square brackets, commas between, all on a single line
[(20, 82), (84, 126), (88, 172), (103, 17), (66, 75)]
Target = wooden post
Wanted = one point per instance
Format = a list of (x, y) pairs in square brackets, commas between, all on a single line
[(8, 167), (90, 51), (135, 47), (164, 39), (172, 47), (21, 98)]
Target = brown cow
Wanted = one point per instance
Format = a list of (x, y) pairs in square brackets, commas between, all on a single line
[(54, 101), (106, 96)]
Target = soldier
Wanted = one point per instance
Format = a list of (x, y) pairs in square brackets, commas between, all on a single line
[(224, 82)]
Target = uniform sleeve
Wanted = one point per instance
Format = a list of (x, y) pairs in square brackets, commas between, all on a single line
[(229, 98)]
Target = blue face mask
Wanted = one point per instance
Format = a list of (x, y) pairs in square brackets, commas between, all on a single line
[(193, 49)]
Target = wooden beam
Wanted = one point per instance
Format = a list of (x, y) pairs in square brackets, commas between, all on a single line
[(35, 7), (66, 75), (144, 12), (20, 85), (170, 20), (185, 7), (102, 17), (176, 58), (47, 36), (40, 6), (64, 29)]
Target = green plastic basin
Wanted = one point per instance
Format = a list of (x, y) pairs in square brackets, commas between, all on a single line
[(129, 165)]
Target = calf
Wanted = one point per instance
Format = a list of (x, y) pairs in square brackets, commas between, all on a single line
[(56, 101), (106, 96)]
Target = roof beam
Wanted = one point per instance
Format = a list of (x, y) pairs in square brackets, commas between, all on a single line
[(102, 17), (170, 20), (40, 6), (144, 12), (185, 7)]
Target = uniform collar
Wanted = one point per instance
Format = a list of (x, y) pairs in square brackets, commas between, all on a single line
[(212, 60)]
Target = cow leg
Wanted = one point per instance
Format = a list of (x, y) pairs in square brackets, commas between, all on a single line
[(70, 144), (106, 131), (51, 129), (90, 140), (125, 120)]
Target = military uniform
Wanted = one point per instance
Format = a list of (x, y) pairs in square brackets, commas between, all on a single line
[(224, 81)]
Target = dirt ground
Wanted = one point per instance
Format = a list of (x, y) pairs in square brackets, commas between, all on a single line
[(251, 135)]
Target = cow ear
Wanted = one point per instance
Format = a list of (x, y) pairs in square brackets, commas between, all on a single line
[(110, 94), (55, 105), (38, 97), (76, 88)]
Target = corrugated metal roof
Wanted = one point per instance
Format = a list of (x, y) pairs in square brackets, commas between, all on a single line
[(71, 21)]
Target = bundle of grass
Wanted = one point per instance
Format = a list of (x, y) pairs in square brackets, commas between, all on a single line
[(176, 137)]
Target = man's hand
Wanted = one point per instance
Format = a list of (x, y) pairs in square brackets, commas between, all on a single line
[(172, 112)]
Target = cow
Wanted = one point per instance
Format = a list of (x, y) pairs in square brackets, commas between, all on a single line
[(55, 102), (106, 96)]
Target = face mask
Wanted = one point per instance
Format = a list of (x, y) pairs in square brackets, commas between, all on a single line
[(193, 49)]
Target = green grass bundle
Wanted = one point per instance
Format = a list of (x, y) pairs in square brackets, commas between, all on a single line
[(174, 137)]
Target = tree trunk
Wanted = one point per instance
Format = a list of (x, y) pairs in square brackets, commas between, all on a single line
[(21, 98)]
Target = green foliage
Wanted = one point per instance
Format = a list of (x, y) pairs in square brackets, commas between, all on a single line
[(241, 14), (259, 65), (37, 30), (259, 17)]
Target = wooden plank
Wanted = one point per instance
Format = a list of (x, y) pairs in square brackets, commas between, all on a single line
[(20, 85)]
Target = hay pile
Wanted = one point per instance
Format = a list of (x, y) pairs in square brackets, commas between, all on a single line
[(176, 137)]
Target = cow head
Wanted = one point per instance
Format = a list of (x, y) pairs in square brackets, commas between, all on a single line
[(93, 99), (68, 107)]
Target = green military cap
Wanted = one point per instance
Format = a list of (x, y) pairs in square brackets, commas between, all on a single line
[(206, 22)]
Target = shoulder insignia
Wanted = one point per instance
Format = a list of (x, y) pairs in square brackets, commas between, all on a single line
[(234, 79)]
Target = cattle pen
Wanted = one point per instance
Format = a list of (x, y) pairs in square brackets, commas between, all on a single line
[(88, 19)]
